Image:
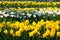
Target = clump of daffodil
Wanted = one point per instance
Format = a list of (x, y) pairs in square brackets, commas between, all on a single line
[(52, 28), (32, 33), (21, 29), (58, 34), (11, 31), (6, 31), (27, 22), (8, 23), (17, 24), (46, 34), (52, 33), (17, 33)]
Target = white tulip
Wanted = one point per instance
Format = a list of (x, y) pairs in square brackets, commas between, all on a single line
[(44, 8), (5, 15), (34, 15), (0, 12), (22, 13), (1, 16), (11, 15), (58, 13), (29, 15), (50, 12), (40, 9), (20, 17), (41, 12), (55, 11)]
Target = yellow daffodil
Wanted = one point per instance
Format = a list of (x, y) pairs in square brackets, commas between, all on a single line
[(18, 33), (5, 31), (11, 31), (58, 34)]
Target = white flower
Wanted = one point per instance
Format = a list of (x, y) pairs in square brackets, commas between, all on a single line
[(29, 15), (58, 13), (0, 12), (20, 17), (46, 11), (44, 8), (50, 12), (11, 15), (1, 16), (22, 13), (3, 12), (34, 15), (7, 14), (41, 9), (41, 12), (55, 11)]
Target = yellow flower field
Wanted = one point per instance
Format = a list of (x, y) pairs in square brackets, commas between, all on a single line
[(51, 28)]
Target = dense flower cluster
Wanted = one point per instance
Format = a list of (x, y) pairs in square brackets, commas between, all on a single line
[(51, 28), (28, 4), (30, 14)]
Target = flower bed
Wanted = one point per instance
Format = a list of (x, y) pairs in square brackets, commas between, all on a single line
[(46, 30), (28, 4), (28, 20), (30, 24), (30, 14)]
